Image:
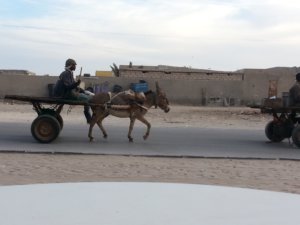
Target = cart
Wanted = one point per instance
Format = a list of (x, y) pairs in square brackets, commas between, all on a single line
[(48, 124), (285, 123)]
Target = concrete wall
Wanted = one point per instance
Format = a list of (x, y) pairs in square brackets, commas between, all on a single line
[(179, 91), (181, 76), (251, 89), (24, 85), (256, 82)]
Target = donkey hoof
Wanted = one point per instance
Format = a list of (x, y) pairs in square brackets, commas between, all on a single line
[(130, 139), (91, 139), (105, 136), (145, 137)]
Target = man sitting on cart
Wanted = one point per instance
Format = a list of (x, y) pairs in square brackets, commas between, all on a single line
[(294, 93), (66, 87)]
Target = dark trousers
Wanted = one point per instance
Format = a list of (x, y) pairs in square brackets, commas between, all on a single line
[(87, 113)]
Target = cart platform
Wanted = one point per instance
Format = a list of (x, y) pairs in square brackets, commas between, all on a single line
[(48, 124), (285, 123)]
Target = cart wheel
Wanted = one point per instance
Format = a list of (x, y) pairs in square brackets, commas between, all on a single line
[(60, 120), (45, 128), (296, 136), (271, 133), (51, 112)]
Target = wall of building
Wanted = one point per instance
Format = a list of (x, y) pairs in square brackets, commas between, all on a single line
[(17, 72), (181, 75), (178, 91), (25, 85), (251, 89), (256, 82)]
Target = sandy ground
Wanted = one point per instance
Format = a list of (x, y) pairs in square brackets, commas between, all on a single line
[(275, 175)]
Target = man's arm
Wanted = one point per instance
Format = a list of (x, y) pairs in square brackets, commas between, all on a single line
[(68, 80)]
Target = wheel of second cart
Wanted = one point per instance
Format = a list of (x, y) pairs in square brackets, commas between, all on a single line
[(45, 128), (271, 133), (296, 136)]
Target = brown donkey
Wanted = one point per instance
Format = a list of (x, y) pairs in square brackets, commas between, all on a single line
[(103, 104)]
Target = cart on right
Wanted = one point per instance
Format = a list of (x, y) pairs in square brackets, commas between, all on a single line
[(285, 122)]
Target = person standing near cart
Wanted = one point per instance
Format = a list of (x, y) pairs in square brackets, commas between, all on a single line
[(294, 92), (67, 87)]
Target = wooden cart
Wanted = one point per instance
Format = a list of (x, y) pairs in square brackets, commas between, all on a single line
[(285, 123), (48, 124)]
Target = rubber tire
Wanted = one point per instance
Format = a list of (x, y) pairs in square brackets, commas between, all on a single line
[(45, 128), (296, 136), (269, 131)]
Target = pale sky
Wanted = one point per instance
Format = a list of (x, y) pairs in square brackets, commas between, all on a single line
[(39, 35)]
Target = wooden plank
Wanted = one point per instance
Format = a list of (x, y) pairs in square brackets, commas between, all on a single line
[(57, 101), (46, 100), (265, 109)]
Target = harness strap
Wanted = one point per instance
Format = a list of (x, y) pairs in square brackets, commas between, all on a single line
[(109, 105), (143, 107), (112, 97), (155, 99), (69, 109)]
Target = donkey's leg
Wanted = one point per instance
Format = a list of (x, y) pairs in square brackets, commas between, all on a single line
[(144, 121), (92, 124), (99, 123), (132, 120)]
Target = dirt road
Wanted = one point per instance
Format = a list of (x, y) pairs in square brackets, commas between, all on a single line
[(276, 175)]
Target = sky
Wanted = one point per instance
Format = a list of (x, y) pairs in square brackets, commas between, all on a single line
[(39, 35)]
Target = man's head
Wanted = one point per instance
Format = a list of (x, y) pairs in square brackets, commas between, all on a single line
[(71, 64), (298, 76)]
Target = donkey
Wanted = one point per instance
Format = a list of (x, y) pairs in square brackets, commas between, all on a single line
[(103, 104)]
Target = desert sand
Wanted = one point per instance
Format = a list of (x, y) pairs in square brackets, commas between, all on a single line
[(274, 175)]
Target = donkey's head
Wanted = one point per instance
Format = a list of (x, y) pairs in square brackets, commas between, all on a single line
[(161, 99)]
